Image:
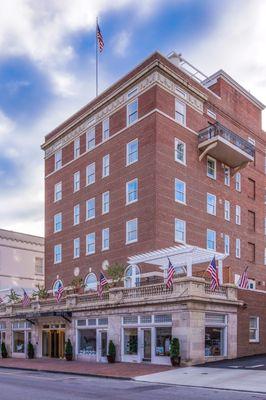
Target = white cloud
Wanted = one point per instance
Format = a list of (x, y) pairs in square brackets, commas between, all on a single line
[(6, 125), (121, 43)]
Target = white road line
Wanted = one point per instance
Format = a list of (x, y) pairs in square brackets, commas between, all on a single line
[(234, 366), (255, 366)]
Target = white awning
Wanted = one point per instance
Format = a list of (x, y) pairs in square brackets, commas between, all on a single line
[(179, 256)]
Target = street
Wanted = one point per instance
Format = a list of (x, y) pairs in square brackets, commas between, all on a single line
[(26, 385)]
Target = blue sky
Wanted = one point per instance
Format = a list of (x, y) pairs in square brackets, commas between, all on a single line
[(47, 70)]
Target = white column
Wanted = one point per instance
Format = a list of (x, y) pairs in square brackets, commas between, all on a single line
[(220, 271), (189, 266)]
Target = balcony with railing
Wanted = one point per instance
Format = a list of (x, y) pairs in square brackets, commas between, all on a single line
[(226, 146)]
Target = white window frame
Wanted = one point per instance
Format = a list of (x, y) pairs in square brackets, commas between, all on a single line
[(227, 245), (92, 165), (238, 215), (57, 253), (227, 175), (107, 193), (180, 116), (90, 139), (128, 192), (76, 181), (210, 195), (214, 169), (106, 166), (58, 160), (264, 225), (238, 182), (105, 129), (128, 154), (93, 243), (136, 112), (58, 191), (76, 148), (92, 200), (76, 248), (265, 256), (177, 142), (183, 232), (58, 225), (128, 232), (257, 329), (227, 210), (212, 232), (238, 248), (76, 214), (104, 239), (182, 193)]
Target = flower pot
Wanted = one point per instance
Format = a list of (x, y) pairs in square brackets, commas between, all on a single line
[(69, 357), (175, 361), (111, 359)]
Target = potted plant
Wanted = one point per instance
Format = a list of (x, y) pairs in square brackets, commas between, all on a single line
[(175, 352), (30, 350), (111, 352), (69, 350), (77, 284), (116, 273), (13, 297), (4, 350), (40, 292)]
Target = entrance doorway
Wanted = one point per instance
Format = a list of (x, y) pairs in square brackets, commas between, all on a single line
[(53, 343), (146, 337), (102, 346)]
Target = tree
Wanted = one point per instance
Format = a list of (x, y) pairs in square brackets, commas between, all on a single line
[(116, 273), (13, 297), (41, 292)]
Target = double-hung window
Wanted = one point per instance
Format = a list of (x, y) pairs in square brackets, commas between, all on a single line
[(132, 152), (238, 215), (105, 202), (90, 208), (180, 151), (76, 248), (90, 243), (211, 168), (105, 239), (132, 112), (76, 216), (58, 160), (227, 176), (57, 191), (106, 166), (211, 204), (76, 147), (58, 222), (180, 191), (180, 112), (132, 231), (57, 253), (238, 182), (227, 245), (105, 129), (180, 230), (76, 181), (132, 191), (238, 248), (90, 174), (211, 240), (227, 210), (90, 138), (254, 335)]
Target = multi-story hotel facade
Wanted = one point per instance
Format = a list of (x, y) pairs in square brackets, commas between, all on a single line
[(166, 163)]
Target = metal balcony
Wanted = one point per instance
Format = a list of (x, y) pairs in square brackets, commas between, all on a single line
[(226, 146)]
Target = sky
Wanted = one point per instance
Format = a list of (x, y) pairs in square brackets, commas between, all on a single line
[(47, 70)]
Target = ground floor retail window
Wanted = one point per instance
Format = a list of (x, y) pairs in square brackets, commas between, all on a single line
[(87, 342), (18, 342), (163, 339), (131, 341), (254, 329), (214, 341)]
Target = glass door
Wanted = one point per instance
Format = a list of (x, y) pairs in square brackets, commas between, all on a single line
[(146, 344), (103, 346)]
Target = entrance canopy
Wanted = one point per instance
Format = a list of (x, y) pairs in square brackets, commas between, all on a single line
[(180, 256)]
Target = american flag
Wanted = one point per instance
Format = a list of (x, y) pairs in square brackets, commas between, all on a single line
[(212, 269), (59, 293), (100, 38), (26, 299), (170, 274), (243, 280), (102, 283)]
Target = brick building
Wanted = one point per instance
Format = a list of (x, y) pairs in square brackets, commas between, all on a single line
[(166, 158)]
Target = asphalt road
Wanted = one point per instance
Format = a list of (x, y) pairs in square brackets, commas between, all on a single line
[(23, 385), (251, 362)]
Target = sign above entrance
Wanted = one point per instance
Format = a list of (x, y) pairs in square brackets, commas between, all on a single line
[(66, 315)]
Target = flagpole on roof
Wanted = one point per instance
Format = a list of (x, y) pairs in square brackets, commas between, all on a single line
[(97, 56)]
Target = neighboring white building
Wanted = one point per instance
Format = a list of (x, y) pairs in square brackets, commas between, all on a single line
[(21, 262)]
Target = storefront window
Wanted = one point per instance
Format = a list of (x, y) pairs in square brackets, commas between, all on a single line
[(214, 341), (87, 342), (163, 338), (131, 341), (18, 342)]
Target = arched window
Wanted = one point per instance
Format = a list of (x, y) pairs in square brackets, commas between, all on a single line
[(132, 276), (90, 282), (58, 283)]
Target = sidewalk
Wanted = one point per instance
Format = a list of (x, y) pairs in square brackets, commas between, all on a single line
[(218, 378), (117, 370)]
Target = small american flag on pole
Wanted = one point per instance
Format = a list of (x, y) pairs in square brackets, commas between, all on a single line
[(243, 280), (102, 283), (212, 270), (100, 38), (170, 275), (59, 293), (26, 299)]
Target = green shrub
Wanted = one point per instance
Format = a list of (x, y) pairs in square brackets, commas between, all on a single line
[(69, 350), (30, 350), (4, 350), (174, 348), (111, 349)]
